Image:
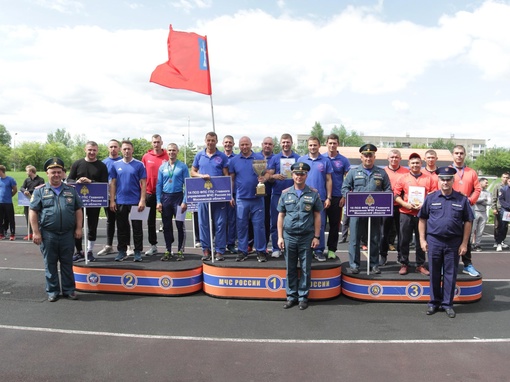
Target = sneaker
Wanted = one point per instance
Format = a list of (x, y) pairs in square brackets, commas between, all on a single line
[(376, 270), (331, 255), (261, 257), (28, 237), (478, 248), (495, 245), (2, 237), (250, 249), (499, 248), (90, 257), (391, 247), (232, 249), (207, 255), (241, 256), (421, 269), (129, 251), (383, 261), (197, 244), (403, 270), (166, 256), (180, 256), (355, 271), (79, 256), (504, 245), (106, 250), (12, 237), (138, 257), (121, 256), (53, 297), (364, 247), (319, 256), (160, 227), (152, 251), (218, 256), (470, 270), (276, 254)]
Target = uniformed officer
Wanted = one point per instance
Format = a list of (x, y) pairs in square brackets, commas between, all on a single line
[(445, 225), (56, 219), (299, 225), (366, 177)]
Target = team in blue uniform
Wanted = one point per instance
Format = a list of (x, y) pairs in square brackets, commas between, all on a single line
[(249, 207), (228, 150), (207, 163), (299, 226), (319, 178), (56, 220), (279, 174), (340, 165), (445, 225)]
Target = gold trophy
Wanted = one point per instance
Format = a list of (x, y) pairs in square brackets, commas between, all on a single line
[(259, 166)]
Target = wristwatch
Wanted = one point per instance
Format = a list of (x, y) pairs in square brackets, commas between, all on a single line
[(317, 237)]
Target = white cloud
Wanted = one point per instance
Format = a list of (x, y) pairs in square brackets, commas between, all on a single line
[(62, 6), (499, 107), (400, 106)]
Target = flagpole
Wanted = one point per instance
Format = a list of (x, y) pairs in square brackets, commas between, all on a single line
[(209, 75)]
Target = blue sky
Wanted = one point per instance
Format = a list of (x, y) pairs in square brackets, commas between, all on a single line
[(432, 68)]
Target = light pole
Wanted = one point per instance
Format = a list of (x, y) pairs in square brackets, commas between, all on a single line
[(185, 149), (14, 153)]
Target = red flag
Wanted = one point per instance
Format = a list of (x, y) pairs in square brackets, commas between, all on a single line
[(188, 64)]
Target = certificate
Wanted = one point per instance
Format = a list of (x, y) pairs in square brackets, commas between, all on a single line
[(285, 165), (506, 216), (416, 195)]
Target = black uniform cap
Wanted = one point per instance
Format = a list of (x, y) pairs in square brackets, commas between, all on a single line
[(53, 163), (368, 148)]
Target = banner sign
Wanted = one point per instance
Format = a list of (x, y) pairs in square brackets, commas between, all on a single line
[(369, 204), (217, 189), (92, 194)]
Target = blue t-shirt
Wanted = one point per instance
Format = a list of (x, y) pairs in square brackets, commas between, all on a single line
[(316, 178), (109, 163), (245, 178), (340, 165), (275, 164), (212, 165), (6, 186), (128, 177)]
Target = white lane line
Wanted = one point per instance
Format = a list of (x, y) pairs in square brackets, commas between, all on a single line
[(251, 340)]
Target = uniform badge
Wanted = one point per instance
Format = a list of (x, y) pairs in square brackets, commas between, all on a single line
[(308, 207), (378, 183)]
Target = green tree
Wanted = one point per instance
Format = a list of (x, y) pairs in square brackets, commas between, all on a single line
[(442, 144), (140, 147), (31, 153), (5, 136), (346, 138), (318, 131), (190, 152), (58, 149), (60, 136), (493, 161), (5, 154), (276, 148)]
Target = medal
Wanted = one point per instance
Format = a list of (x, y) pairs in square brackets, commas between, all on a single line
[(169, 180)]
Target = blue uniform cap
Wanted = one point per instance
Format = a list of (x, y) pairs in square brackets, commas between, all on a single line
[(367, 148), (446, 172), (53, 163)]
